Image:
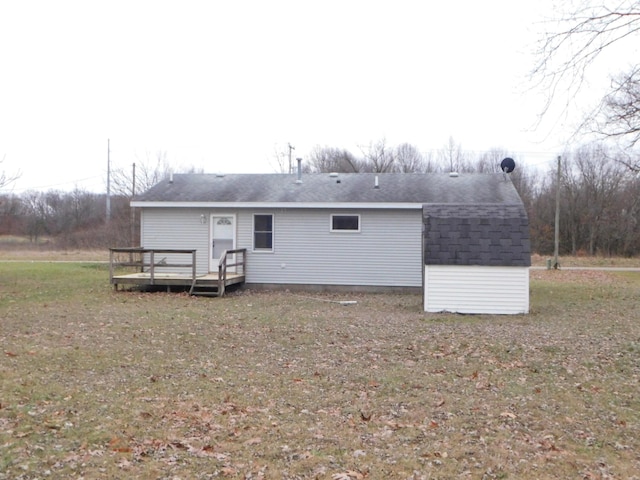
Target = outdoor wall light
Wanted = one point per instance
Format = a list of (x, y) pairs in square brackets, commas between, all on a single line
[(203, 219)]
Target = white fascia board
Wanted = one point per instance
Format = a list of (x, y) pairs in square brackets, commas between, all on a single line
[(340, 205)]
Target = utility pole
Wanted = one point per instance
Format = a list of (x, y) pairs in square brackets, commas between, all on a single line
[(108, 180), (290, 148), (133, 181), (556, 247)]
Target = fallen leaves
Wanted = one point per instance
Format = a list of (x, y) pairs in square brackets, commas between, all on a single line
[(118, 444), (386, 389), (348, 475)]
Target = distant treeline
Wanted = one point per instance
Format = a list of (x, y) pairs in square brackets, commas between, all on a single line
[(599, 198)]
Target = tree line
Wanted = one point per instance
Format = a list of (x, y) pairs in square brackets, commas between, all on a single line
[(599, 197)]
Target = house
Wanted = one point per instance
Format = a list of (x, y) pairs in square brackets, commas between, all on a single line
[(462, 239)]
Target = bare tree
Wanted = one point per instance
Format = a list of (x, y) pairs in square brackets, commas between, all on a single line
[(10, 214), (280, 162), (408, 159), (79, 209), (592, 190), (148, 172), (454, 158), (429, 163), (379, 157), (489, 162), (330, 159), (37, 214), (601, 180), (627, 225), (7, 178), (567, 53), (619, 113)]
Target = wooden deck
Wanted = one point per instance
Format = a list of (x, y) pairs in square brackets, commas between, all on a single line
[(149, 273), (210, 280)]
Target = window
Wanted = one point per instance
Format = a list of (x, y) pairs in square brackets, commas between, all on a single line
[(345, 223), (263, 232)]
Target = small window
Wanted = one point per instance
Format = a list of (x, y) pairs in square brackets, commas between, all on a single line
[(263, 232), (345, 223)]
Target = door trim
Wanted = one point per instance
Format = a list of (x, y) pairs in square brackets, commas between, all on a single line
[(213, 266)]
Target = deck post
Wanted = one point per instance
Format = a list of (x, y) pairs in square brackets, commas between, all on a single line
[(193, 264), (151, 270), (110, 265)]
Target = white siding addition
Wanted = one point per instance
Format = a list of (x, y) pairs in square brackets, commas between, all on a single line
[(476, 289)]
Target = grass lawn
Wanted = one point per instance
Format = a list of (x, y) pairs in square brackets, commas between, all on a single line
[(102, 384)]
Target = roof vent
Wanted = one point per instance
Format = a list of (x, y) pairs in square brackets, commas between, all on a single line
[(220, 175), (376, 183), (299, 160), (171, 177), (333, 174), (454, 174)]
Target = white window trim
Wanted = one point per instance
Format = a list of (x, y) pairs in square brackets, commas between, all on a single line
[(331, 229), (253, 234)]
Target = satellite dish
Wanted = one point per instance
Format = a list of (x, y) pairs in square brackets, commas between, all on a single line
[(507, 165)]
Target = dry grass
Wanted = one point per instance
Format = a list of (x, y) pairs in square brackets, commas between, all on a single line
[(587, 261), (19, 249), (99, 384), (47, 255)]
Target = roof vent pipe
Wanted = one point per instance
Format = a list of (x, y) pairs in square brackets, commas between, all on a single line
[(376, 184), (171, 177), (299, 160)]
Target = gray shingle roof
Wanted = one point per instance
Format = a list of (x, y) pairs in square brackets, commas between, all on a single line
[(345, 188), (471, 219), (486, 234)]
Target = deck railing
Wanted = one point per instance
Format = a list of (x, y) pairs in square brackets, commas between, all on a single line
[(136, 259), (144, 260), (223, 265)]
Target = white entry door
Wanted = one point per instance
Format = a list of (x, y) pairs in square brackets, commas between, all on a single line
[(223, 237)]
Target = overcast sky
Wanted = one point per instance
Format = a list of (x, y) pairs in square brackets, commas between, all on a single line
[(224, 85)]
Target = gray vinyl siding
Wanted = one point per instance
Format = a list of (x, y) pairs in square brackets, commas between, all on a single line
[(177, 228), (476, 289), (386, 251)]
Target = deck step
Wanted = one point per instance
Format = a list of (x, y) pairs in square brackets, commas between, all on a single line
[(203, 293), (205, 290)]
